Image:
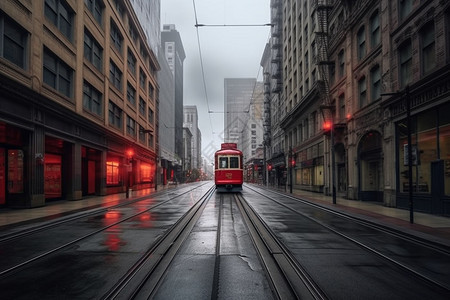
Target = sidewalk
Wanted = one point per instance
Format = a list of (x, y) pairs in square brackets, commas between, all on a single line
[(59, 208), (427, 226)]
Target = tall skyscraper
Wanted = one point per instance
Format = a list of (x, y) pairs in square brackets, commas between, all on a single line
[(238, 95), (191, 122), (174, 53)]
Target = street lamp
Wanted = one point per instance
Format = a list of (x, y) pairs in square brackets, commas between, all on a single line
[(405, 95), (129, 153), (328, 127)]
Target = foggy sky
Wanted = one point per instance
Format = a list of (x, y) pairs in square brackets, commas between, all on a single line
[(227, 52)]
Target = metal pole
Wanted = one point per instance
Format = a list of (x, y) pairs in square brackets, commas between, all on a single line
[(127, 193), (156, 174), (290, 170), (410, 182), (333, 167)]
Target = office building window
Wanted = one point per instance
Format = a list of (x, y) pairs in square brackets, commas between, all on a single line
[(375, 77), (142, 106), (115, 115), (131, 60), (341, 64), (115, 75), (342, 114), (151, 91), (57, 74), (375, 30), (116, 37), (151, 116), (428, 48), (141, 134), (361, 38), (92, 50), (61, 15), (142, 79), (13, 42), (405, 60), (131, 94), (131, 126), (96, 7), (92, 99), (405, 8), (362, 89), (151, 139), (132, 32)]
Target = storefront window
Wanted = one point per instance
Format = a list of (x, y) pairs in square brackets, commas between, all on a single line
[(15, 171), (424, 150), (112, 173), (444, 144), (52, 176), (318, 175), (146, 173)]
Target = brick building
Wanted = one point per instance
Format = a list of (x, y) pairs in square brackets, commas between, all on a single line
[(79, 98)]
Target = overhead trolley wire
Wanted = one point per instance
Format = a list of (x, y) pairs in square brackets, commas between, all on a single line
[(201, 66)]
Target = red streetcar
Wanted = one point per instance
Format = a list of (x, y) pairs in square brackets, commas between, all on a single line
[(228, 170)]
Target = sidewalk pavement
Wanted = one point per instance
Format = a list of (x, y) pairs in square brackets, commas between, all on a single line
[(427, 226)]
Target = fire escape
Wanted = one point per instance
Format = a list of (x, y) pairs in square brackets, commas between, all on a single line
[(276, 45), (323, 8)]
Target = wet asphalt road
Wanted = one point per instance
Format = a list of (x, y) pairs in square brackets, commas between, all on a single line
[(218, 259)]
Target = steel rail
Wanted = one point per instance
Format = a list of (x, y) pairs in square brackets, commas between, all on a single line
[(289, 279), (72, 242), (360, 244), (144, 277), (79, 214)]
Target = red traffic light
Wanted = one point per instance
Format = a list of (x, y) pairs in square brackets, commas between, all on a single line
[(130, 153), (269, 167), (293, 162), (327, 126)]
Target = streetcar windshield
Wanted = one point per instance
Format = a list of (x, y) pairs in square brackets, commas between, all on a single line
[(223, 162), (234, 162)]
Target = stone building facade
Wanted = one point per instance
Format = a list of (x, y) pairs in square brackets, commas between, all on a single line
[(379, 76), (79, 98)]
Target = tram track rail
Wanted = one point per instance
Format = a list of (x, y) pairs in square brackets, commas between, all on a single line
[(407, 237), (42, 228), (141, 281), (389, 230), (288, 278), (74, 216)]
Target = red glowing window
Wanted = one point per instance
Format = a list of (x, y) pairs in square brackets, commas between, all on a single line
[(112, 172), (146, 173)]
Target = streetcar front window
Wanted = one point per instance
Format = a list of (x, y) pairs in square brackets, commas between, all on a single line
[(223, 162), (234, 162)]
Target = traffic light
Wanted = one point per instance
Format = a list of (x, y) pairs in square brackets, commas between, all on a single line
[(269, 167), (129, 153), (327, 126), (293, 162)]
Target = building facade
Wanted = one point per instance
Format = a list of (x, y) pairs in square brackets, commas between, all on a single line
[(148, 13), (78, 101), (238, 94), (191, 122), (272, 64), (167, 155), (361, 81), (173, 49)]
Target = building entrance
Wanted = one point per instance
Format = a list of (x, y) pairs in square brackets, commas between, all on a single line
[(2, 177), (370, 168)]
